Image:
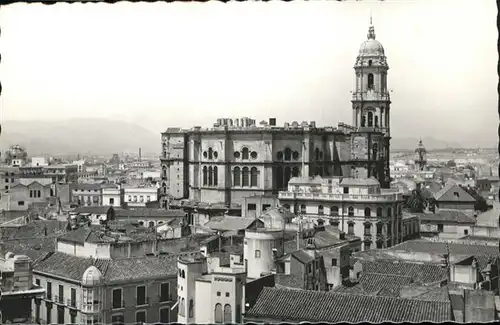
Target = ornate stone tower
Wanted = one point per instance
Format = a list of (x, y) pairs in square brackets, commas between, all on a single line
[(371, 107), (420, 156)]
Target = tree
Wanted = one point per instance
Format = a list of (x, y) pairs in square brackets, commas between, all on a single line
[(451, 163), (481, 204), (417, 202)]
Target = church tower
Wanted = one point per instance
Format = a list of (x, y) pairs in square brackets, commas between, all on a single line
[(420, 156), (371, 107)]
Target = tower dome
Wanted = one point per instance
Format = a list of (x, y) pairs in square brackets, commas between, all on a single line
[(91, 277), (371, 47)]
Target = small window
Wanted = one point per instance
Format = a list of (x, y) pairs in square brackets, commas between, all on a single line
[(252, 207), (218, 293), (21, 203), (440, 227), (227, 294), (257, 253), (346, 190), (334, 262), (466, 231)]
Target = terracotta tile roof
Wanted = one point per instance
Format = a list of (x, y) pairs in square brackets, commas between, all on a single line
[(290, 281), (439, 248), (231, 223), (302, 256), (377, 284), (446, 194), (148, 213), (116, 270), (419, 272), (93, 209), (316, 306), (446, 216)]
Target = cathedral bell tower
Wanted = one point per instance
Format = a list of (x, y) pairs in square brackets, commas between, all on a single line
[(370, 110)]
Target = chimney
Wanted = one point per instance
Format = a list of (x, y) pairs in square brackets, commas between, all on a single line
[(140, 154), (272, 121)]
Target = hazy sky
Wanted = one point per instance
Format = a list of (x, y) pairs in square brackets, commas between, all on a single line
[(184, 64)]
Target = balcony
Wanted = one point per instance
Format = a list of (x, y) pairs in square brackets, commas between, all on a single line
[(330, 197), (71, 303), (59, 300)]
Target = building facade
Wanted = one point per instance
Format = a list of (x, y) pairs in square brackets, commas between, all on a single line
[(359, 206), (238, 158)]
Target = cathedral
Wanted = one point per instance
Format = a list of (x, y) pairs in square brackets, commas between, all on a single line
[(237, 158)]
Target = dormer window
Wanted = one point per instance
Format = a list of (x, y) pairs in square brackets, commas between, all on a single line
[(456, 194)]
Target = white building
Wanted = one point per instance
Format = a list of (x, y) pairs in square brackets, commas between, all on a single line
[(139, 196), (209, 296), (359, 205), (111, 195), (38, 161)]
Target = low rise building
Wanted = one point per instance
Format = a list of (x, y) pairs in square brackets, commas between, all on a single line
[(85, 290), (139, 196), (111, 195), (87, 194), (454, 197), (17, 289), (446, 224), (148, 217), (359, 205)]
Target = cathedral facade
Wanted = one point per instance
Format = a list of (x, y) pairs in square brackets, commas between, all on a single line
[(237, 158)]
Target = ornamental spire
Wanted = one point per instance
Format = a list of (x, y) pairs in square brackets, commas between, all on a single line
[(371, 29)]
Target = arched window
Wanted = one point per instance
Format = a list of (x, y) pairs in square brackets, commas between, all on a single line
[(367, 212), (375, 151), (236, 176), (215, 176), (288, 154), (334, 210), (317, 153), (218, 313), (370, 81), (51, 192), (350, 212), (376, 121), (191, 308), (379, 212), (244, 153), (370, 119), (164, 171), (295, 172), (244, 178), (363, 121), (205, 176), (210, 153), (288, 175), (253, 176), (182, 306), (303, 209), (279, 155), (321, 210), (210, 176), (227, 313), (389, 212)]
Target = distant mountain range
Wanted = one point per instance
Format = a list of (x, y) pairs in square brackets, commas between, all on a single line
[(429, 143), (105, 137), (79, 136)]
